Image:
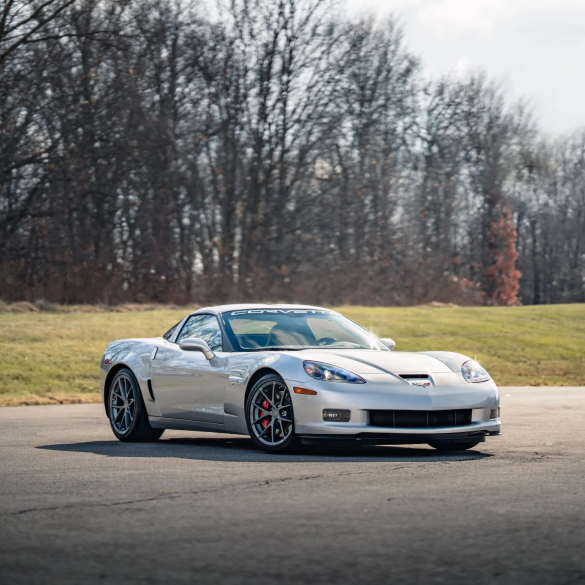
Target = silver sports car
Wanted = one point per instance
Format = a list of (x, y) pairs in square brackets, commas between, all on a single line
[(290, 374)]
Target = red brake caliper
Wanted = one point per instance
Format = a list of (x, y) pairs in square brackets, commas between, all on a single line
[(266, 406)]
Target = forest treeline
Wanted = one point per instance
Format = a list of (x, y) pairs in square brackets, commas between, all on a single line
[(270, 150)]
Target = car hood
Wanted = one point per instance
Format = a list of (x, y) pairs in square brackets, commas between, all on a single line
[(385, 362)]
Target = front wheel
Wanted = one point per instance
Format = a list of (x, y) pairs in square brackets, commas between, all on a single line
[(128, 416), (269, 415), (461, 446)]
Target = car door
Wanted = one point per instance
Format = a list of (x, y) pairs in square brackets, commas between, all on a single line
[(186, 384)]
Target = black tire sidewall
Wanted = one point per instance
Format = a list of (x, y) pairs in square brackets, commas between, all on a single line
[(292, 440)]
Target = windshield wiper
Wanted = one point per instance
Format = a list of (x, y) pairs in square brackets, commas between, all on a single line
[(334, 346), (295, 348), (274, 348)]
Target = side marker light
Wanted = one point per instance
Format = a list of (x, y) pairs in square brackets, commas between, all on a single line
[(304, 391)]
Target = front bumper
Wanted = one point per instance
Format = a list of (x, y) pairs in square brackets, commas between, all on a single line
[(446, 393)]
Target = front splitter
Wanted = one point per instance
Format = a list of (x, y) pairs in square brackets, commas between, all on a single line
[(394, 438)]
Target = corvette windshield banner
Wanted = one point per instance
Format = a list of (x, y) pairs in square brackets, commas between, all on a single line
[(283, 312)]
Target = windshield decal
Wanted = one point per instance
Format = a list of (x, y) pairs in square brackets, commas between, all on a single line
[(282, 312)]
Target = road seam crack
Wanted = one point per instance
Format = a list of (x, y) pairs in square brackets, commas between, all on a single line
[(177, 495)]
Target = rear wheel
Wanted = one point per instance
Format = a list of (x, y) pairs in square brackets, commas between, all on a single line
[(462, 446), (126, 410), (269, 415)]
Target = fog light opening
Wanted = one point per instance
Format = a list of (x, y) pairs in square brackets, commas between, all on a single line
[(334, 415), (494, 413)]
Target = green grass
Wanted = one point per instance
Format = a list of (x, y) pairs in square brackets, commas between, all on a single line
[(54, 357)]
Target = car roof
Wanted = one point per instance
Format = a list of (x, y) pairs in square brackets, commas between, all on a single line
[(245, 306)]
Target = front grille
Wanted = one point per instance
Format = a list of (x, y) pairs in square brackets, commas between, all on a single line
[(414, 376), (420, 419)]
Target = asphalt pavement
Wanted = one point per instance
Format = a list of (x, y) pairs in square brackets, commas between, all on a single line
[(79, 507)]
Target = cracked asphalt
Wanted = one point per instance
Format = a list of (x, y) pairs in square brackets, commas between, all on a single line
[(77, 506)]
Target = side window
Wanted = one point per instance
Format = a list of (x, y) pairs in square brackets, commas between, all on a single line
[(170, 332), (204, 327)]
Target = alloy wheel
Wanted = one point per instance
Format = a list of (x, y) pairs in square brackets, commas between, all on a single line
[(122, 404), (271, 414)]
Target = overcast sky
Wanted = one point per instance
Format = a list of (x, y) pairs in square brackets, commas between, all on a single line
[(536, 48)]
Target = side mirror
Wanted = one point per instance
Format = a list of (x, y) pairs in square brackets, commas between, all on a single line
[(195, 344), (389, 343)]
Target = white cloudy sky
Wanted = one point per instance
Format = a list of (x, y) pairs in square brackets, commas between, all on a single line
[(535, 48)]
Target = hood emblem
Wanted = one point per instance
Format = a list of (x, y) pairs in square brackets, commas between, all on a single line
[(423, 383)]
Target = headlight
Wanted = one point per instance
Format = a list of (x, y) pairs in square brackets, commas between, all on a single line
[(473, 372), (330, 373)]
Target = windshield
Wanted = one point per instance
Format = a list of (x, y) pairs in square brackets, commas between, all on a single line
[(262, 329)]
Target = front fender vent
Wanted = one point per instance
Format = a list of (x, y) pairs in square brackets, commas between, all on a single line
[(150, 391)]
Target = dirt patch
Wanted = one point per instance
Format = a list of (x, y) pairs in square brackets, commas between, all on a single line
[(20, 307), (36, 399)]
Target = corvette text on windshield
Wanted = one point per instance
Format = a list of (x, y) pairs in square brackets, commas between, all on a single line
[(283, 311)]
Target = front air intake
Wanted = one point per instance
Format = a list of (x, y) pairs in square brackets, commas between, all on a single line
[(420, 419)]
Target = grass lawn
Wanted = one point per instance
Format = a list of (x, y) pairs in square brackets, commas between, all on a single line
[(54, 357)]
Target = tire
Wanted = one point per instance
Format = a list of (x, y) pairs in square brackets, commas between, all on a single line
[(461, 446), (126, 410), (270, 417)]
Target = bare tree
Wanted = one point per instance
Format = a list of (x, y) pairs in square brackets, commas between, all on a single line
[(281, 151)]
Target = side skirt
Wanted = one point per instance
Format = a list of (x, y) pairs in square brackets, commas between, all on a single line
[(161, 422)]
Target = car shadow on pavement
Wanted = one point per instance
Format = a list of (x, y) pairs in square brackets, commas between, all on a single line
[(242, 450)]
